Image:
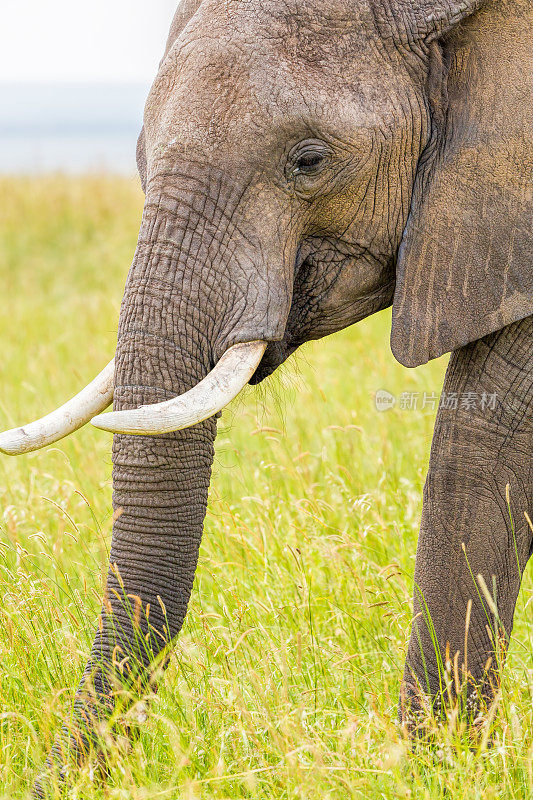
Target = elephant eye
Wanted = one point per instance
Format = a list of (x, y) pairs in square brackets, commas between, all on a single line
[(308, 159), (308, 163)]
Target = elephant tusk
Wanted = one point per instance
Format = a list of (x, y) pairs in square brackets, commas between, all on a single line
[(207, 398), (95, 398)]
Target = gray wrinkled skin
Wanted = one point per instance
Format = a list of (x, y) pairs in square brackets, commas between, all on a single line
[(305, 164)]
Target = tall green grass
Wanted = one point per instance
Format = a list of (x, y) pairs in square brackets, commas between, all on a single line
[(285, 680)]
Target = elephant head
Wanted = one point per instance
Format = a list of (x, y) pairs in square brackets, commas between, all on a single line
[(305, 165)]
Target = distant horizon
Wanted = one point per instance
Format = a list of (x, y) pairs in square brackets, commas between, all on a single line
[(80, 106), (72, 127)]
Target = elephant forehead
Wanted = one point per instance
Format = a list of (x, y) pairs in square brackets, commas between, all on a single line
[(232, 79)]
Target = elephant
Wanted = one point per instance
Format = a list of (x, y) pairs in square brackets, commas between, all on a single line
[(306, 165)]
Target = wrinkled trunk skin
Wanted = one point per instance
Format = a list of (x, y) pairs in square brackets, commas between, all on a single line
[(160, 483), (482, 443)]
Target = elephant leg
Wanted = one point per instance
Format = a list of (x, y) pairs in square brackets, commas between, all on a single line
[(472, 524)]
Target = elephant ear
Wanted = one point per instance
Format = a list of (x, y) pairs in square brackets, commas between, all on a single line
[(464, 265)]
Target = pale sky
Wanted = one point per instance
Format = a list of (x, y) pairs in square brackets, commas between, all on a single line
[(70, 41)]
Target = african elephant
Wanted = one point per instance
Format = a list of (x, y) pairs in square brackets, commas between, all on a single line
[(306, 165)]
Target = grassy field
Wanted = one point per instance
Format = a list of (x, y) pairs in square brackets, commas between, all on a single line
[(285, 680)]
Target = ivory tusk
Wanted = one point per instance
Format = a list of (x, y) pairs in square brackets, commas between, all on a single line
[(94, 399), (215, 391)]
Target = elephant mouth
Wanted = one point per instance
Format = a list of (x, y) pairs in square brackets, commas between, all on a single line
[(275, 354), (298, 330)]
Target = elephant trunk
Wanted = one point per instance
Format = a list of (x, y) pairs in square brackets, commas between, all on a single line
[(169, 332)]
